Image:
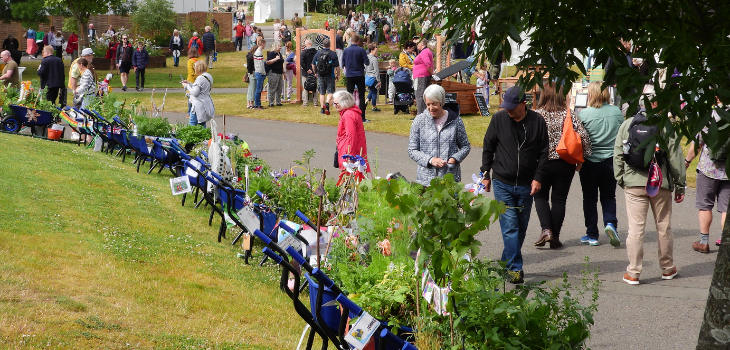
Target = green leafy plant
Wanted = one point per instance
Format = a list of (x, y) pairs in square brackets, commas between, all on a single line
[(536, 316), (156, 126), (447, 218), (192, 134)]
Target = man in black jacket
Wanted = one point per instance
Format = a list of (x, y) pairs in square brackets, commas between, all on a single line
[(51, 73), (307, 57), (209, 46), (516, 152)]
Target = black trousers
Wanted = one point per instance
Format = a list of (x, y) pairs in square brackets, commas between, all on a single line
[(139, 74), (358, 82), (559, 176), (238, 45), (52, 94)]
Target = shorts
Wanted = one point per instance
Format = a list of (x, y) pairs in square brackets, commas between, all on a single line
[(710, 190), (125, 67), (326, 85), (494, 71)]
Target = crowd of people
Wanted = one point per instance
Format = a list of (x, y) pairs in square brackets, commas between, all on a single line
[(523, 158)]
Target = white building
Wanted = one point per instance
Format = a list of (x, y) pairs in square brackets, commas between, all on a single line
[(185, 6), (265, 9)]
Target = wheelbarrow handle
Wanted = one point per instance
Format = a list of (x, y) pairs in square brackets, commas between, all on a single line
[(263, 237), (270, 253)]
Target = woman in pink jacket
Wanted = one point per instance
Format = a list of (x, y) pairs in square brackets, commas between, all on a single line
[(422, 72), (350, 131)]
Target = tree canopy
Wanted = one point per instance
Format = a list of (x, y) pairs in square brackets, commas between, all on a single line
[(155, 17), (690, 37), (684, 44)]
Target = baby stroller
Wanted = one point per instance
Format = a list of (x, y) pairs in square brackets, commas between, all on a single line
[(404, 94)]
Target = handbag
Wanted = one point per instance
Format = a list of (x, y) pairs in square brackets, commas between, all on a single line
[(370, 81), (570, 147), (246, 78), (337, 159)]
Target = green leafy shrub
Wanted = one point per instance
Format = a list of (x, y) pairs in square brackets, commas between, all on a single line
[(192, 134), (159, 127), (380, 6)]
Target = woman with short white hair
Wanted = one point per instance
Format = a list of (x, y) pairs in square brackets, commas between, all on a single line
[(350, 131), (438, 141)]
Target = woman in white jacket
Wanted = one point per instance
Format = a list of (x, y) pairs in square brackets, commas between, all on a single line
[(202, 104)]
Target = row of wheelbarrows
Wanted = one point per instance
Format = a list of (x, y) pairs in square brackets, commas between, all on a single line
[(328, 303)]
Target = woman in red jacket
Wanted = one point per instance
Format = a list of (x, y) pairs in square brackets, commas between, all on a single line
[(350, 131), (111, 53)]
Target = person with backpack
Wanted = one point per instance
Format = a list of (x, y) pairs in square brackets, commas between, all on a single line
[(327, 68), (601, 121), (309, 78), (354, 59), (196, 43), (648, 184), (558, 173), (712, 185)]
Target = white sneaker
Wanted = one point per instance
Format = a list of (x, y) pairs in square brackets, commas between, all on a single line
[(75, 136)]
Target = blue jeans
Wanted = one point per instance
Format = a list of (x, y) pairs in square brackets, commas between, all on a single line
[(259, 89), (373, 95), (513, 222), (176, 60), (248, 42), (595, 177)]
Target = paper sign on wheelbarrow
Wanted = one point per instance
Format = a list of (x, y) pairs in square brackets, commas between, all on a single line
[(360, 333)]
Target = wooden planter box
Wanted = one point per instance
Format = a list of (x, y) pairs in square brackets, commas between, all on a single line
[(157, 62), (225, 47)]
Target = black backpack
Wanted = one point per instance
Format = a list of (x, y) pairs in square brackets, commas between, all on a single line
[(638, 134), (324, 63), (311, 83), (287, 35)]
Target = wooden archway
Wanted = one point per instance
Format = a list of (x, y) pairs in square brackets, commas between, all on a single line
[(300, 44)]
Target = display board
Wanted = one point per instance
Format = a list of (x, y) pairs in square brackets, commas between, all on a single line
[(482, 104), (451, 97)]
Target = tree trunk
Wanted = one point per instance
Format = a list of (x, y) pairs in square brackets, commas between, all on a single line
[(715, 330)]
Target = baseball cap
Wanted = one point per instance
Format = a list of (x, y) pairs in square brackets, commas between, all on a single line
[(512, 98), (87, 51), (654, 181)]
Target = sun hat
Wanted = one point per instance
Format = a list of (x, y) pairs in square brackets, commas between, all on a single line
[(654, 181), (512, 98), (87, 51)]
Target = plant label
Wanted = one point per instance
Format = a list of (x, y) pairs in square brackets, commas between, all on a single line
[(249, 218), (180, 185), (246, 242), (437, 299), (288, 241), (360, 333)]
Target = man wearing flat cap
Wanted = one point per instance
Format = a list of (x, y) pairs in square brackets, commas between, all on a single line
[(514, 158)]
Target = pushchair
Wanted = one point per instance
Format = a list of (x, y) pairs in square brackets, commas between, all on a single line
[(404, 94)]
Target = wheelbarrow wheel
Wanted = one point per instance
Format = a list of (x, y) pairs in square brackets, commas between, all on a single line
[(11, 123)]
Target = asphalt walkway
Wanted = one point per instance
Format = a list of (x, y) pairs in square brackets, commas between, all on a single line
[(657, 314)]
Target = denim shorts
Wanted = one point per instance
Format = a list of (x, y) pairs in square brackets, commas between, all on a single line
[(326, 85)]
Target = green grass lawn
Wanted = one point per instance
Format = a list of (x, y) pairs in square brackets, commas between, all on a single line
[(98, 256)]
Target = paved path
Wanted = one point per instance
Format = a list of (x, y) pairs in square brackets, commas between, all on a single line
[(657, 314)]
